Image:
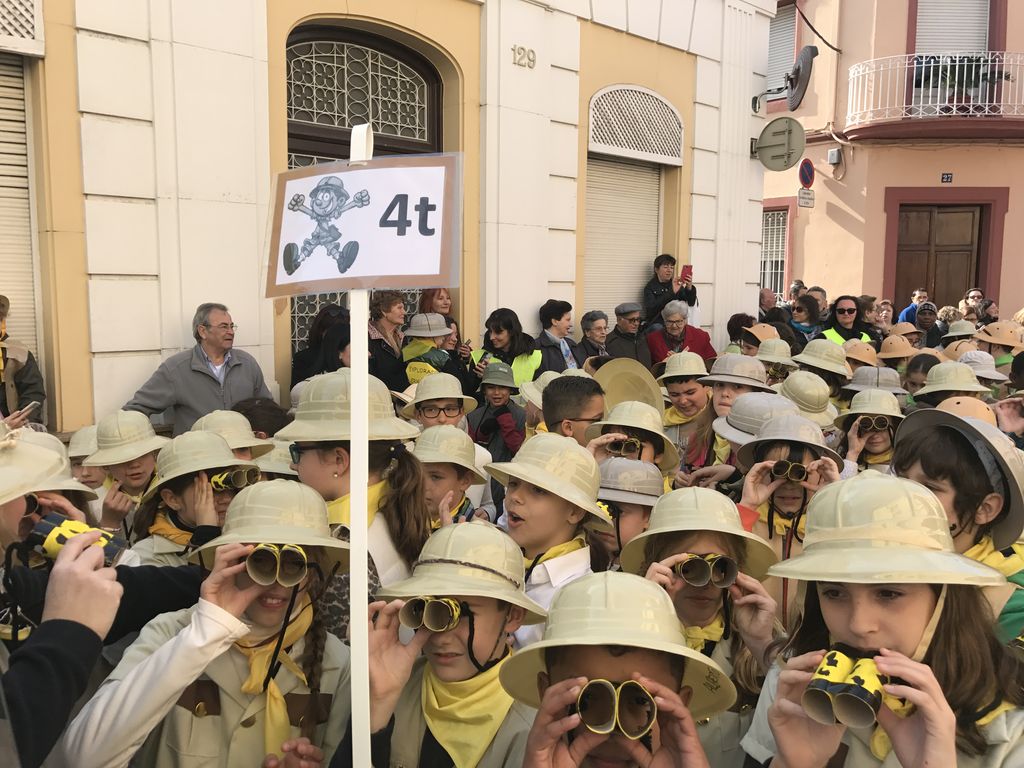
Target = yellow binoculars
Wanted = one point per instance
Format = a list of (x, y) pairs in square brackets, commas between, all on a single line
[(846, 689), (604, 706), (286, 564), (700, 570), (235, 479), (53, 531), (438, 614)]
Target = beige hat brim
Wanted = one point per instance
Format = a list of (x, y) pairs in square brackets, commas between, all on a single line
[(723, 428), (626, 497), (669, 461), (67, 484), (258, 446), (335, 549), (990, 374), (429, 457), (883, 388), (108, 457), (841, 421), (409, 411), (267, 464), (503, 470), (779, 359), (726, 378), (314, 431), (745, 455), (821, 365), (159, 482), (949, 387), (824, 418), (760, 555)]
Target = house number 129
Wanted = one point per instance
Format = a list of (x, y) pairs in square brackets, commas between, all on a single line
[(524, 57)]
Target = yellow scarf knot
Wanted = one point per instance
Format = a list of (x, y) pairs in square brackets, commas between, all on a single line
[(579, 542), (697, 637), (162, 526), (878, 458), (781, 525)]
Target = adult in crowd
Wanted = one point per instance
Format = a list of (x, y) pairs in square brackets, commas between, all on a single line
[(387, 316), (927, 322), (309, 361), (437, 300), (845, 321), (796, 289), (988, 312), (557, 348), (506, 340), (819, 296), (425, 354), (972, 297), (625, 339), (211, 376), (664, 287), (909, 313), (595, 334), (869, 314), (678, 335), (806, 319), (765, 300), (20, 376), (884, 311)]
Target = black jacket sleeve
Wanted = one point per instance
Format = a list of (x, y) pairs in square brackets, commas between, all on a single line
[(150, 590), (29, 383)]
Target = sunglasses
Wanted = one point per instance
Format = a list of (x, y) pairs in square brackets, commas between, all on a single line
[(295, 451), (846, 311), (799, 311), (700, 570), (778, 372), (604, 706), (285, 564), (234, 479), (873, 424), (437, 614), (630, 447), (789, 470)]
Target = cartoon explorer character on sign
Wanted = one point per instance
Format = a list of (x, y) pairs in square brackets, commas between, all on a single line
[(327, 201)]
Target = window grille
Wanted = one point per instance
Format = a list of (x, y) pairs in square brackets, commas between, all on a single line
[(634, 122), (774, 230)]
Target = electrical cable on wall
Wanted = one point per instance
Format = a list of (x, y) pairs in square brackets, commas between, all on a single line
[(816, 32)]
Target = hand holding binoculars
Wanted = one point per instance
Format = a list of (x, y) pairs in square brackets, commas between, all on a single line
[(701, 570), (52, 532), (605, 706), (847, 688)]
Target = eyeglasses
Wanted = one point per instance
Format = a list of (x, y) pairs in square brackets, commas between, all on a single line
[(437, 614), (234, 480), (674, 323), (631, 446), (975, 296), (700, 570), (632, 320), (604, 706), (591, 420), (789, 470), (873, 424), (846, 310), (286, 564), (778, 372), (295, 451), (223, 326), (433, 411)]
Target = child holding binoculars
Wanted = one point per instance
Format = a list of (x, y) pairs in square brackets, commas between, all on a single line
[(197, 476), (614, 680), (246, 672), (894, 660), (446, 706), (869, 429), (697, 550)]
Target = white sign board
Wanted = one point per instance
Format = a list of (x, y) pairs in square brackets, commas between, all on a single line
[(390, 222), (805, 198)]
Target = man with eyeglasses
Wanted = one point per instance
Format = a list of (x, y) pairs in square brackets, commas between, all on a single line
[(209, 377), (625, 339)]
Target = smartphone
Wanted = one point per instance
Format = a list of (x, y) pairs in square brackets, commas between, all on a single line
[(30, 407), (687, 273), (485, 358)]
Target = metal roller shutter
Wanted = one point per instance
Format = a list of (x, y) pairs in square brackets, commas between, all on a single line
[(781, 48), (622, 232), (944, 26), (17, 280)]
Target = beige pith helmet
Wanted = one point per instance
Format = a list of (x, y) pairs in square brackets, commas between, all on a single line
[(445, 444), (750, 412), (83, 443), (627, 379), (630, 481), (474, 559), (193, 452), (904, 329), (236, 431), (428, 326), (871, 402), (983, 365), (969, 408), (937, 354), (951, 377), (614, 608), (762, 331), (894, 347), (533, 391), (437, 386), (811, 395), (693, 510), (62, 480), (25, 467), (278, 461), (880, 529), (824, 355), (738, 369), (861, 351), (954, 350), (1004, 333), (789, 428), (683, 364), (639, 416), (277, 512), (959, 329), (989, 443), (324, 412), (123, 436), (885, 379), (556, 464), (776, 351)]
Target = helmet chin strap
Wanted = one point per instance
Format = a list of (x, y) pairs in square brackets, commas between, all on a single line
[(480, 668), (275, 665), (929, 631)]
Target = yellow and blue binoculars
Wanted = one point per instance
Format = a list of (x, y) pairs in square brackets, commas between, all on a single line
[(235, 479), (53, 531), (846, 688)]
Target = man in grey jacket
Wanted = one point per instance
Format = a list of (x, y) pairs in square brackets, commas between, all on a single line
[(211, 376)]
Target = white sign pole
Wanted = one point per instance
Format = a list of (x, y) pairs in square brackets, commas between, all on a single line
[(359, 309)]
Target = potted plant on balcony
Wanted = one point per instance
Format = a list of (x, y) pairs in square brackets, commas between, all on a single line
[(970, 82)]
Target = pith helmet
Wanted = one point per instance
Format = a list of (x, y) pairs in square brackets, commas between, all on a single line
[(879, 529), (236, 431), (533, 391), (437, 386), (193, 452), (824, 355), (627, 379), (445, 444), (937, 354), (475, 559), (683, 364), (954, 350), (277, 512), (860, 351), (986, 438), (775, 351), (698, 509), (499, 374), (62, 480), (895, 347), (429, 326), (904, 329), (1005, 333), (885, 379), (614, 608), (811, 395), (278, 461), (871, 402), (83, 443), (969, 408), (749, 413), (556, 464), (26, 467), (123, 436), (959, 329), (789, 428), (640, 416), (324, 412), (951, 377), (630, 481), (983, 365), (738, 369), (762, 331)]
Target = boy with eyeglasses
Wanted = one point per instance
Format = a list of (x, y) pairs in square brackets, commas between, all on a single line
[(571, 404)]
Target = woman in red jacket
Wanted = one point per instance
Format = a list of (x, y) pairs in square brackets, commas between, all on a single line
[(678, 335)]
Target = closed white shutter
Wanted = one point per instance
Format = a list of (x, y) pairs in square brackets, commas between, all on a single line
[(17, 280), (945, 26), (781, 48), (623, 232)]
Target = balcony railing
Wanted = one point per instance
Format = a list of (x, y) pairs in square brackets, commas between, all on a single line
[(961, 84)]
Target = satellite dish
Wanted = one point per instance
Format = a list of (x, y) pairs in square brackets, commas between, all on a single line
[(799, 77), (780, 145)]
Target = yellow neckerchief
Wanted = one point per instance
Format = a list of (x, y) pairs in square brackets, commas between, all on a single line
[(162, 526), (880, 743), (696, 637), (276, 725), (416, 348), (435, 523), (782, 524), (878, 458), (108, 481), (722, 450), (578, 542), (464, 716), (674, 417), (985, 552), (339, 511)]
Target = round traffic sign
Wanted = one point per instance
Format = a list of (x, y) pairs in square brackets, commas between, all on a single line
[(806, 173)]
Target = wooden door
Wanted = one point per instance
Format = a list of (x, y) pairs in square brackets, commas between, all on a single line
[(937, 249)]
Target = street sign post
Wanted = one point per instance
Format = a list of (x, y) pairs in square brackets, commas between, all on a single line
[(805, 198), (806, 173)]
